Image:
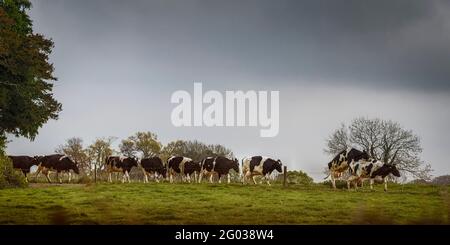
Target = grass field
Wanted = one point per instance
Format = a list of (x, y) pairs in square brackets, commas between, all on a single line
[(165, 203)]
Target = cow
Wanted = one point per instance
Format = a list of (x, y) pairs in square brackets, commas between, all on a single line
[(178, 164), (56, 162), (370, 169), (191, 167), (259, 165), (341, 162), (153, 166), (220, 165), (120, 164), (24, 163)]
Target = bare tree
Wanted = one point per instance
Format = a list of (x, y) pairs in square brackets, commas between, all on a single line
[(383, 140)]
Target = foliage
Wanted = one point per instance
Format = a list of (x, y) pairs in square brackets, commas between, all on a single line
[(98, 151), (9, 177), (144, 143), (442, 180), (296, 178), (194, 149), (26, 98), (384, 140)]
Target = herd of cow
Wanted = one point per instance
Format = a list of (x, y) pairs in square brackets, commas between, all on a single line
[(154, 166), (357, 164), (359, 167)]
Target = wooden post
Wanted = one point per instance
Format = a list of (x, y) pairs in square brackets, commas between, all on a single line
[(95, 173), (284, 176)]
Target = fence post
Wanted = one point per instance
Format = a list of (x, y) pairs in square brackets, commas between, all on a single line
[(95, 173), (284, 176)]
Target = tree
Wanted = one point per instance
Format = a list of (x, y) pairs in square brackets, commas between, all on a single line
[(98, 152), (384, 140), (26, 99), (127, 148), (146, 143), (195, 150), (74, 149)]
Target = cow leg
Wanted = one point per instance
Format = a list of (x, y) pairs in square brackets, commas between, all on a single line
[(123, 177), (228, 178), (210, 177), (385, 184), (188, 178), (110, 177), (200, 176), (371, 184), (70, 176), (220, 176), (58, 178), (333, 180), (267, 179), (38, 171), (156, 176), (145, 177), (254, 180), (195, 177), (47, 173), (127, 177), (25, 174), (171, 177)]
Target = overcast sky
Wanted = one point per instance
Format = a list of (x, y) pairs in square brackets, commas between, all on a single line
[(118, 62)]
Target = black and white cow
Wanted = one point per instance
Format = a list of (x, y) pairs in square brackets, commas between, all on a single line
[(120, 164), (183, 166), (153, 166), (342, 161), (259, 165), (56, 162), (220, 166), (192, 168), (370, 169), (24, 164)]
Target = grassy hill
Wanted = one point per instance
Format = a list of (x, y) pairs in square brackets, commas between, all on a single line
[(165, 203)]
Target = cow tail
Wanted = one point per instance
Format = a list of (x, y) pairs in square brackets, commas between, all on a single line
[(241, 171)]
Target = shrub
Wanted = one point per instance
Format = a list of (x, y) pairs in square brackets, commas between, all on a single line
[(9, 177), (296, 178)]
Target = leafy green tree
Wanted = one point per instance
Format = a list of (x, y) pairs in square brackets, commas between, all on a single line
[(145, 143), (98, 152), (26, 98), (127, 148), (194, 149)]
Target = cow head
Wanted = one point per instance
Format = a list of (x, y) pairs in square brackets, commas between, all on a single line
[(75, 168), (235, 165), (278, 165), (37, 160), (73, 165), (133, 161), (393, 169), (364, 155)]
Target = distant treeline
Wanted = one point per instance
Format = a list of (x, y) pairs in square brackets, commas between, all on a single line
[(141, 145)]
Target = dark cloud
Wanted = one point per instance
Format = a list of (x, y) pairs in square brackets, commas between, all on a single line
[(395, 44)]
